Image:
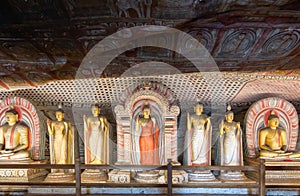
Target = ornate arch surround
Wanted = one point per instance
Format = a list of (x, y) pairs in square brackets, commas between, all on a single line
[(257, 118)]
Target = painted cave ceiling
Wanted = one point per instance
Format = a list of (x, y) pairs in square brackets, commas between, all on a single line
[(254, 43)]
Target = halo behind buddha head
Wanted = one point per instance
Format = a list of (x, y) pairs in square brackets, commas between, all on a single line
[(228, 110), (28, 115), (60, 109), (96, 104), (265, 109), (146, 105), (272, 115), (198, 102), (12, 110)]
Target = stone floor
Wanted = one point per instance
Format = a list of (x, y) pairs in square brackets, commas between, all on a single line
[(113, 191), (176, 191)]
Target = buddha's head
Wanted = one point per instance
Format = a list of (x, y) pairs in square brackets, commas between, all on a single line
[(229, 116), (198, 108), (273, 121), (59, 114), (146, 111), (96, 110), (11, 116)]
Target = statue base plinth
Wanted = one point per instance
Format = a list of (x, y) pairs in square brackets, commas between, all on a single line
[(202, 176), (150, 177), (119, 176), (60, 177), (94, 175), (234, 177), (21, 175), (281, 176), (179, 177)]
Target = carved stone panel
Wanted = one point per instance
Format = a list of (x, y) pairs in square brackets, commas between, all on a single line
[(166, 119)]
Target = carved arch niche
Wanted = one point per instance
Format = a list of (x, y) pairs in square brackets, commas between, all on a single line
[(257, 118), (27, 114), (163, 108)]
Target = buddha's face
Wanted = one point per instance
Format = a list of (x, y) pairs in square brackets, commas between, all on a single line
[(229, 117), (59, 116), (274, 122), (146, 112), (95, 111), (198, 109), (11, 118)]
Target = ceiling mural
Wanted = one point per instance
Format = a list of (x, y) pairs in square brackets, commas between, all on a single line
[(45, 41)]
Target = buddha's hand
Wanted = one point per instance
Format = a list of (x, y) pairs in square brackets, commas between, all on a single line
[(48, 122), (284, 148)]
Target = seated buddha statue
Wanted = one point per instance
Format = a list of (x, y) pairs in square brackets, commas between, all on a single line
[(14, 137), (273, 140)]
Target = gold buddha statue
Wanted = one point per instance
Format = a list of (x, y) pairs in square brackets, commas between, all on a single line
[(60, 133), (273, 140), (14, 138)]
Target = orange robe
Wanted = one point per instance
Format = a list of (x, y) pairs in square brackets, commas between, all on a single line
[(149, 144)]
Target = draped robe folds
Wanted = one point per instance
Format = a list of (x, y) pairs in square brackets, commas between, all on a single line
[(147, 143), (61, 144), (96, 138), (13, 137), (231, 152), (199, 141)]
